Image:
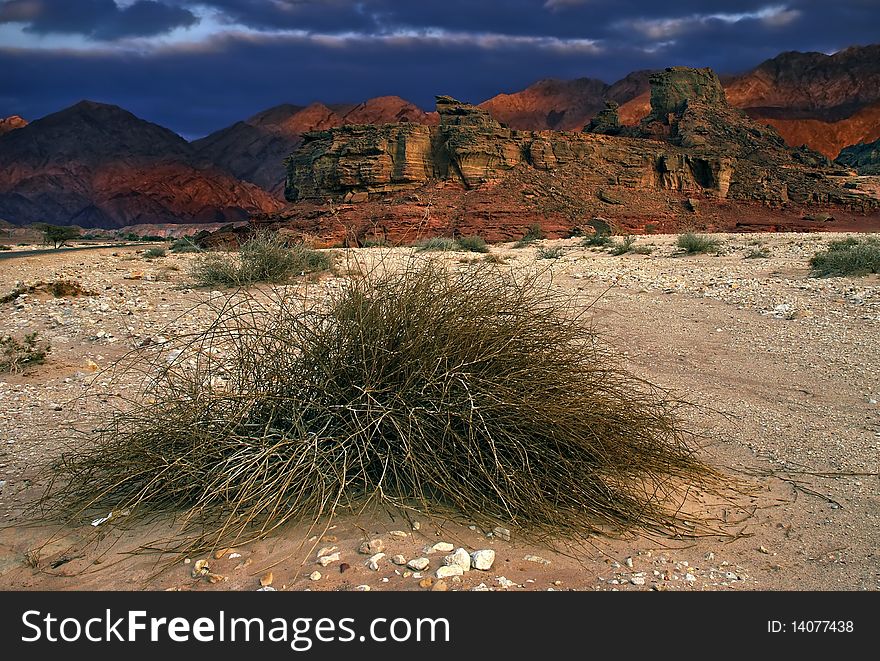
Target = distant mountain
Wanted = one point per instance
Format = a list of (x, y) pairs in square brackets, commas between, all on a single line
[(97, 165), (826, 102), (11, 123), (562, 105), (254, 150)]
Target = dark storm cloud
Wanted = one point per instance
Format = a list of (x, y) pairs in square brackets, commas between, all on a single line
[(246, 55), (96, 19)]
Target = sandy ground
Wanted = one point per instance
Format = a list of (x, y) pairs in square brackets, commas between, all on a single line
[(787, 368)]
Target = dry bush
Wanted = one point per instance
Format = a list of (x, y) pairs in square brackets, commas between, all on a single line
[(472, 390), (849, 256), (16, 356), (265, 257)]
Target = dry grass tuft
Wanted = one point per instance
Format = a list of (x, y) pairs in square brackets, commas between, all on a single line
[(476, 391)]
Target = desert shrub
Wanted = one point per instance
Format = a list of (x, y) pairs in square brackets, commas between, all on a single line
[(475, 391), (18, 355), (549, 253), (472, 244), (597, 241), (185, 244), (5, 247), (759, 252), (533, 233), (693, 244), (492, 258), (626, 245), (436, 243), (850, 256), (265, 257), (650, 228), (153, 253)]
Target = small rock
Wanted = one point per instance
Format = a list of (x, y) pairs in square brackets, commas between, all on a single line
[(710, 556), (690, 578), (325, 560), (416, 525), (536, 558), (637, 580), (233, 556), (501, 533), (373, 561), (483, 559), (344, 567), (439, 586), (628, 562), (363, 588), (460, 558), (418, 564), (315, 576), (764, 550), (398, 559), (442, 547), (372, 547), (200, 568), (326, 550), (399, 533), (266, 588), (448, 571), (482, 587), (221, 552), (426, 582), (505, 582), (266, 579)]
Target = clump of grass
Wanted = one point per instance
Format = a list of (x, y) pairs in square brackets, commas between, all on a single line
[(650, 228), (849, 256), (184, 245), (153, 253), (265, 257), (759, 252), (627, 245), (597, 241), (472, 244), (549, 253), (432, 390), (533, 233), (17, 355), (436, 243), (693, 244)]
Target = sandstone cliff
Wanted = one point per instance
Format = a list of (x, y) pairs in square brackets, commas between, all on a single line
[(864, 158), (694, 157)]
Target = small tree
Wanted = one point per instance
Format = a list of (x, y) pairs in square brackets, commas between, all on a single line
[(58, 235)]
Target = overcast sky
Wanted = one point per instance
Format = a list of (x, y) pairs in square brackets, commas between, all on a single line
[(196, 66)]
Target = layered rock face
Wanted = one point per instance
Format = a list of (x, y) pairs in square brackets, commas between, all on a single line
[(697, 143)]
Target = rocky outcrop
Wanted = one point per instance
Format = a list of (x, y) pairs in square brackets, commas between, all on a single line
[(863, 158), (698, 144), (254, 150), (606, 122), (12, 123), (823, 101)]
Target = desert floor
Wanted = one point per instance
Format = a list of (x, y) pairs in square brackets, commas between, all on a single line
[(785, 368)]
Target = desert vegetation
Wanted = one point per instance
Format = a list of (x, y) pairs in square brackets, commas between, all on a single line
[(265, 257), (693, 244), (434, 390), (17, 355), (849, 256)]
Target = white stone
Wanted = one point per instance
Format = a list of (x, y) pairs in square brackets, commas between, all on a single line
[(448, 571), (505, 582), (482, 587), (536, 558), (315, 576), (637, 580), (266, 588), (442, 547), (501, 533), (326, 550), (363, 588), (373, 561), (398, 559), (460, 558), (483, 559), (418, 564), (325, 560), (399, 533)]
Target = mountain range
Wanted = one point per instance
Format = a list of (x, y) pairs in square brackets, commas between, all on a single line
[(97, 165)]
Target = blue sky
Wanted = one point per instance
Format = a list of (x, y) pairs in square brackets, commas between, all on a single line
[(198, 66)]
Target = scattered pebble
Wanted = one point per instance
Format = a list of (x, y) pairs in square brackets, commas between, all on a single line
[(372, 547), (418, 564)]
